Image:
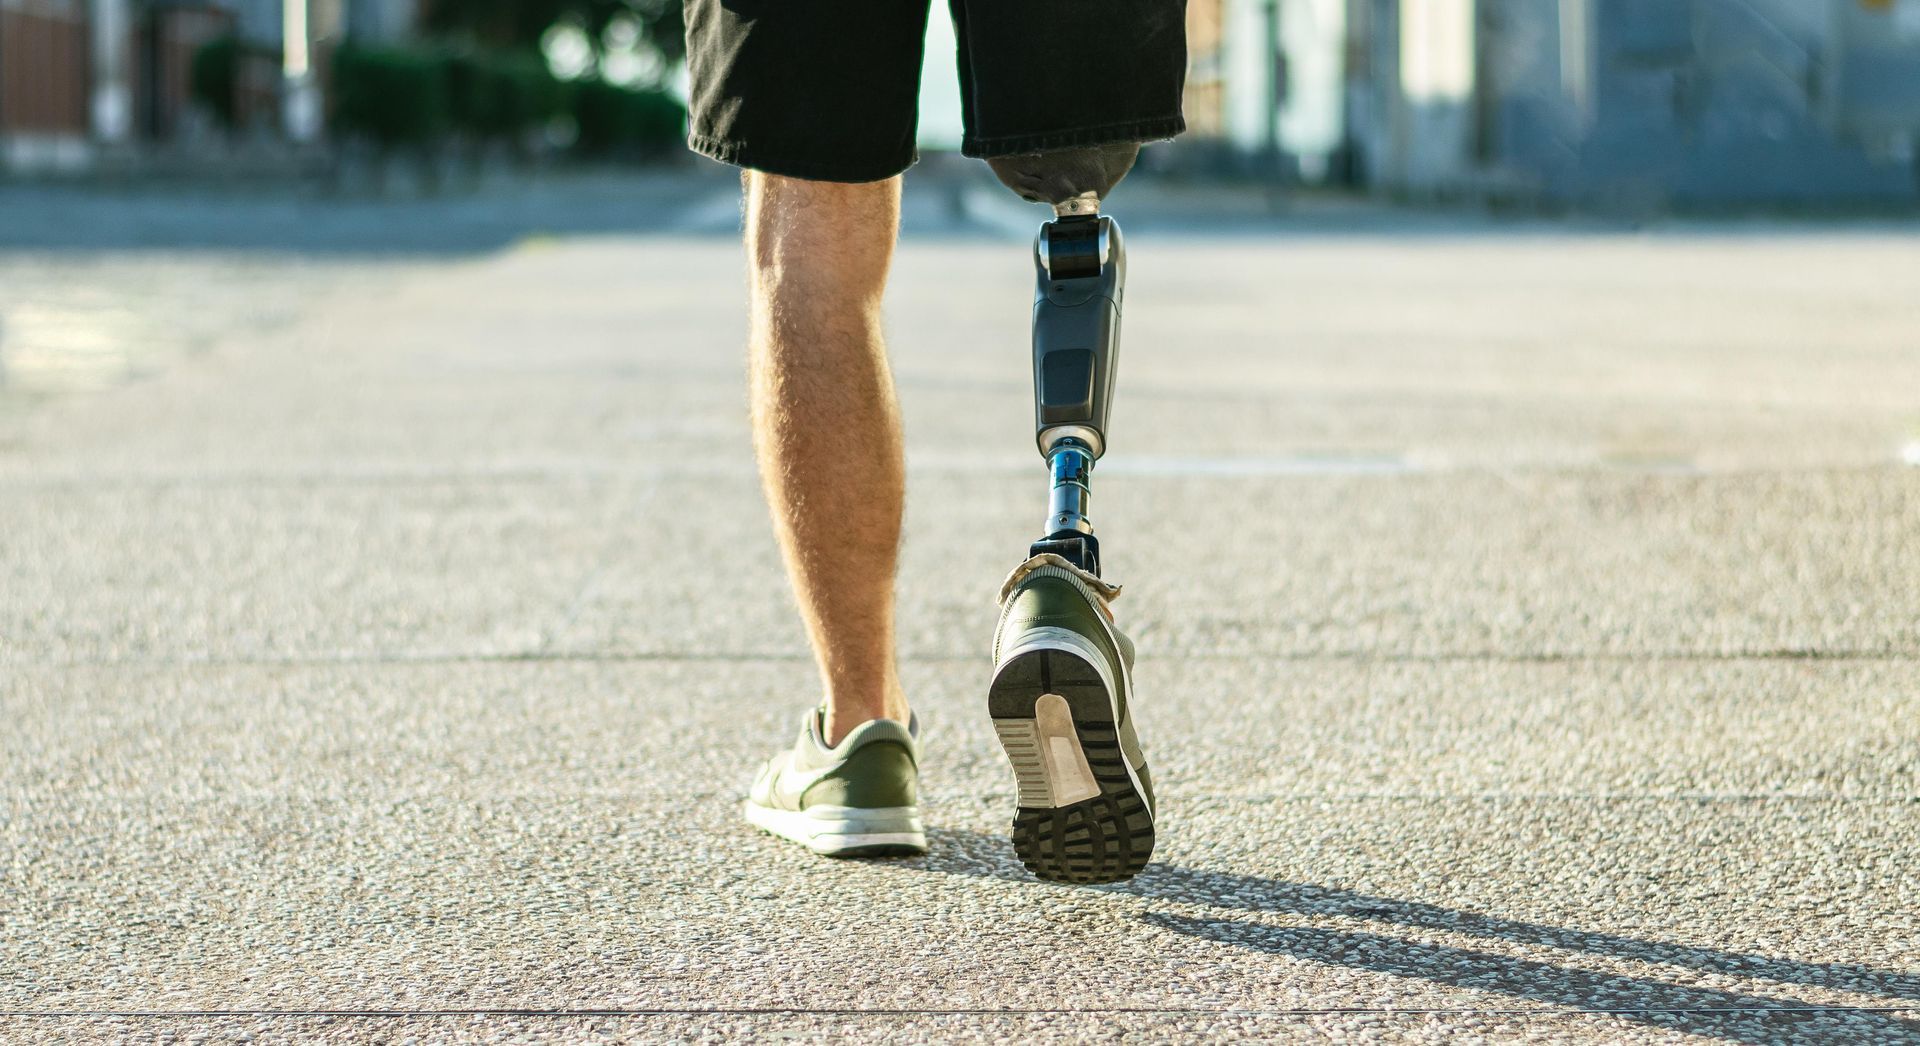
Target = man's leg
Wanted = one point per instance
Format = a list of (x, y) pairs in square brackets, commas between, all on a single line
[(824, 95), (826, 425)]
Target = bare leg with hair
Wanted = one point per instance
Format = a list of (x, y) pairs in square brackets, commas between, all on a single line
[(826, 424)]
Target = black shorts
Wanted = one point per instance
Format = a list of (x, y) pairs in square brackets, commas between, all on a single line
[(828, 89)]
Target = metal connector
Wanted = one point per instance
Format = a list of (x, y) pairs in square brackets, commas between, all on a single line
[(1073, 247), (1071, 465)]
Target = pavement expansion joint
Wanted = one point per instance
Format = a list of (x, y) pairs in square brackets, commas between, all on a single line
[(828, 1011), (750, 657)]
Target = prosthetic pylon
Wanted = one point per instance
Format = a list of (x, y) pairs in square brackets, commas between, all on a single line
[(1080, 273)]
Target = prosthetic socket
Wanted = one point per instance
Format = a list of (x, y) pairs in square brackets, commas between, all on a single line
[(1080, 275)]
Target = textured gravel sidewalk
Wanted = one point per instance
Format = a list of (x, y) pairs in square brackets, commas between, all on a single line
[(1530, 631)]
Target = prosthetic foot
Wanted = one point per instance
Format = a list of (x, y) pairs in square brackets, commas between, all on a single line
[(1062, 670)]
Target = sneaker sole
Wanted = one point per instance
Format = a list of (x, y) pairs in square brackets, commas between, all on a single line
[(846, 831), (1082, 815)]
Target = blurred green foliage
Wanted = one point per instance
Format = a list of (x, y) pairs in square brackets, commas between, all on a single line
[(392, 95), (414, 96), (615, 120), (497, 95), (218, 80), (214, 77), (521, 23), (487, 79)]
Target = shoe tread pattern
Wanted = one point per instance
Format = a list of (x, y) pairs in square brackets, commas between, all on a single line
[(1107, 838)]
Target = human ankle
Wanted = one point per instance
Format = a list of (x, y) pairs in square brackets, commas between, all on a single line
[(843, 717)]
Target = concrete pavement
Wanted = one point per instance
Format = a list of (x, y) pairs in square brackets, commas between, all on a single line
[(1530, 630)]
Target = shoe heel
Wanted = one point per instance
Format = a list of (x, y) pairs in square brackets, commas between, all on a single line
[(1049, 766), (1081, 817)]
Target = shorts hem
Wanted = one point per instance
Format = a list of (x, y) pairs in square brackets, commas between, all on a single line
[(739, 155), (1154, 130)]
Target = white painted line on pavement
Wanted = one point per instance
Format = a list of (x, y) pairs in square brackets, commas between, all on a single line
[(1161, 465), (1301, 465)]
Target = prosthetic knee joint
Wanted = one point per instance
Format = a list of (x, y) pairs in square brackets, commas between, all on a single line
[(1080, 275)]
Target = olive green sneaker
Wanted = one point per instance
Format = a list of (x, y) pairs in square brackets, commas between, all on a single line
[(1062, 678), (855, 799)]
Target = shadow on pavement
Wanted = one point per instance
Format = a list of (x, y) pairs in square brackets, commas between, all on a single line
[(1691, 1008)]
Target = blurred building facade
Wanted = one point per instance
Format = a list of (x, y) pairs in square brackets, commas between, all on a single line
[(83, 80), (45, 94), (1639, 101), (1265, 85), (1649, 102)]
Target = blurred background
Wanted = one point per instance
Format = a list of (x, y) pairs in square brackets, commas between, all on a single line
[(1640, 104)]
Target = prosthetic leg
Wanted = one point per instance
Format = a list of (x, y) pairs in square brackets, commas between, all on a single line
[(1080, 267), (1062, 669)]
